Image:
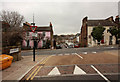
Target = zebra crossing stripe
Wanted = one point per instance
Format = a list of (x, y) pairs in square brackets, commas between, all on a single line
[(78, 70), (54, 71)]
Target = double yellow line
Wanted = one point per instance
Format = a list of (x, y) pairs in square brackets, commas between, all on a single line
[(37, 69)]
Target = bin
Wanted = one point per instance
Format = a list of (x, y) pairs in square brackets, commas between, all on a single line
[(5, 61)]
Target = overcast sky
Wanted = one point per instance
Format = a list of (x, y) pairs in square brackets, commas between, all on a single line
[(66, 16)]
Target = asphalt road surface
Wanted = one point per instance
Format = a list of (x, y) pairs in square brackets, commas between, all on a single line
[(68, 50), (101, 67)]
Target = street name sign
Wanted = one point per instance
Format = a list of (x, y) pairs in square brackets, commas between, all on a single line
[(14, 50)]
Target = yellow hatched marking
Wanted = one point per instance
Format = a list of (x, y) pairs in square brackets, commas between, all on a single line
[(39, 68)]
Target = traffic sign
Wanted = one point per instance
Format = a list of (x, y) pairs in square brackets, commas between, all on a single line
[(33, 28)]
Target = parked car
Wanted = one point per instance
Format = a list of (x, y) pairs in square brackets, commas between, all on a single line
[(71, 45), (58, 47), (76, 46)]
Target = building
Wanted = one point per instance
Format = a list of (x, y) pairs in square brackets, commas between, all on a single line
[(44, 37), (86, 40)]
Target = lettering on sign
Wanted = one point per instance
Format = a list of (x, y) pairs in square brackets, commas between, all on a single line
[(14, 50)]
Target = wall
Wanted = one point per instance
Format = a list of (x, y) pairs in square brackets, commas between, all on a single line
[(40, 42), (106, 37)]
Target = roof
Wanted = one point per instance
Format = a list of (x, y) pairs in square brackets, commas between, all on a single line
[(46, 28), (100, 22)]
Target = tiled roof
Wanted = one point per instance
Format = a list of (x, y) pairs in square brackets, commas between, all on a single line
[(100, 22)]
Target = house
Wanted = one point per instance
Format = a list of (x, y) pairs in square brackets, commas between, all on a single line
[(86, 40), (44, 37)]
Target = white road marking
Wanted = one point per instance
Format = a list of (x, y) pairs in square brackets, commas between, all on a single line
[(100, 73), (84, 52), (73, 53), (112, 47), (66, 54), (54, 71), (60, 54), (78, 70), (79, 56), (94, 52)]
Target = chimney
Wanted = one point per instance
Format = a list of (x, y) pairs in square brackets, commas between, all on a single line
[(117, 19), (50, 24), (110, 18), (84, 20)]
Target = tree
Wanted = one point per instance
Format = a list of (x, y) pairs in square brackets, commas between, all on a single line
[(13, 18), (97, 33), (11, 30), (114, 32)]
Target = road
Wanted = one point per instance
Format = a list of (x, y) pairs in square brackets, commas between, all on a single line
[(101, 66), (69, 50)]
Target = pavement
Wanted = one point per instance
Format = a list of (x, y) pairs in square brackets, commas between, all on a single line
[(19, 68), (67, 66)]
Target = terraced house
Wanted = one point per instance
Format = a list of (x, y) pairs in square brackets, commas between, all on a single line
[(87, 26), (44, 37)]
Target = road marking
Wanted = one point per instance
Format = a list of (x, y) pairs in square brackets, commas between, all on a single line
[(84, 52), (112, 47), (79, 56), (31, 68), (94, 52), (78, 70), (32, 73), (100, 73), (54, 71), (66, 54), (40, 67), (60, 54)]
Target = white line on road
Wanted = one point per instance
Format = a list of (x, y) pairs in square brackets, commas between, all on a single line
[(94, 52), (84, 52), (100, 73), (79, 56)]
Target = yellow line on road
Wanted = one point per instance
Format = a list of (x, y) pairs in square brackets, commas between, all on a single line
[(32, 73), (39, 68), (36, 68)]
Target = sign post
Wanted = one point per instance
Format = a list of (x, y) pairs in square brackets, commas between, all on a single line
[(33, 28)]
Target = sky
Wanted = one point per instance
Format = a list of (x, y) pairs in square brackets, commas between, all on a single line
[(65, 16)]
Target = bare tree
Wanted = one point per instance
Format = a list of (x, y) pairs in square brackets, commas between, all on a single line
[(11, 30), (13, 18)]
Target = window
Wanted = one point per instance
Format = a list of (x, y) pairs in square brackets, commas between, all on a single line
[(27, 33)]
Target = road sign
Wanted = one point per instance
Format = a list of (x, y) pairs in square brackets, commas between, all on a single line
[(34, 34), (33, 28)]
